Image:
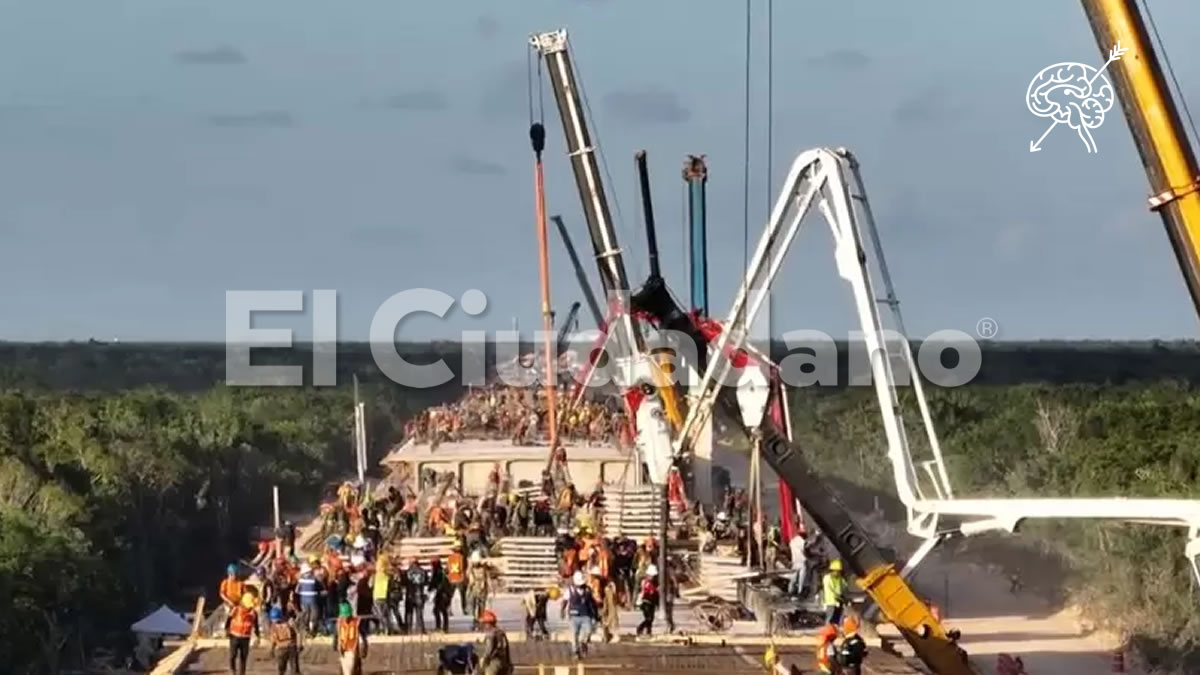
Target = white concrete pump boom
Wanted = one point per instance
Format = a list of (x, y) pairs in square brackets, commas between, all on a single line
[(831, 178)]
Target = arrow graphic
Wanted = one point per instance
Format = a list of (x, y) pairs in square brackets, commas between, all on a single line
[(1114, 54), (1034, 146)]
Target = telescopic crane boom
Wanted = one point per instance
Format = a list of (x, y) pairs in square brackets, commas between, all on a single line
[(644, 380), (1157, 130)]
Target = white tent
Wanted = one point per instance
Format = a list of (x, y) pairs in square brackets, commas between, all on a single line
[(162, 621)]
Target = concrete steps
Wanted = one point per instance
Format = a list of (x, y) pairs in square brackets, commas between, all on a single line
[(634, 512), (422, 548), (526, 563), (718, 576)]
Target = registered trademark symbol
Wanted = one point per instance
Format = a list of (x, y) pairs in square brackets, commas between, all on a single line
[(987, 328)]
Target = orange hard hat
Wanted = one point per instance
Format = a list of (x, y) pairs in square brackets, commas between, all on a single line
[(849, 625), (487, 616)]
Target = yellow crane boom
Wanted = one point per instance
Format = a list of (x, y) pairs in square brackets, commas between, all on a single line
[(1157, 130)]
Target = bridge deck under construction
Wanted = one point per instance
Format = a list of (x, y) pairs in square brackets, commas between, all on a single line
[(623, 658)]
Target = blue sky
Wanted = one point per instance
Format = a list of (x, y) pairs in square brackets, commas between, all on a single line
[(154, 154)]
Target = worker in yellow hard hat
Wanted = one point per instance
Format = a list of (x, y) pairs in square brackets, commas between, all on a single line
[(833, 593)]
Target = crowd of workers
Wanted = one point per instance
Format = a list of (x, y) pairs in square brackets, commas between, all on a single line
[(518, 414), (352, 587)]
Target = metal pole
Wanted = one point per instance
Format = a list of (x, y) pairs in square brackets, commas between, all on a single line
[(643, 171), (695, 174), (664, 574), (585, 286), (537, 136), (275, 499)]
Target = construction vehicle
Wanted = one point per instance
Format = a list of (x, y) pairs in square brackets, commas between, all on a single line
[(1157, 131), (930, 641)]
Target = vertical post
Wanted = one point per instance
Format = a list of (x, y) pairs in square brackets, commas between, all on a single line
[(648, 211), (361, 441), (537, 136), (695, 174), (664, 576), (358, 457), (275, 499)]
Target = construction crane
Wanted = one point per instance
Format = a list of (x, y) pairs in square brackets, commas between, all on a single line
[(641, 377), (881, 580), (1157, 130), (569, 325)]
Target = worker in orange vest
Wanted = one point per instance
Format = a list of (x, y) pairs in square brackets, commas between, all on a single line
[(349, 640), (456, 571), (827, 650), (242, 625)]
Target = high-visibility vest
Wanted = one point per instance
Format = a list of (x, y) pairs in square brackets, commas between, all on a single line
[(347, 634), (826, 655), (454, 568), (232, 590), (241, 624), (381, 585)]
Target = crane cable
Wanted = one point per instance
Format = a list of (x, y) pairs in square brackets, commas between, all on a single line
[(770, 99), (1171, 71), (746, 160)]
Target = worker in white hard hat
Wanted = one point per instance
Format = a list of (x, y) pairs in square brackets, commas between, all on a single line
[(479, 587), (833, 593), (648, 597), (581, 607), (721, 527)]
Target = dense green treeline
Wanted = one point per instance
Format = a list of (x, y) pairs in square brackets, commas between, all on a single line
[(129, 474), (113, 502), (1134, 440), (198, 366)]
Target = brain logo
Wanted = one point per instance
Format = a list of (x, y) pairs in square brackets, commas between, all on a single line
[(1074, 94)]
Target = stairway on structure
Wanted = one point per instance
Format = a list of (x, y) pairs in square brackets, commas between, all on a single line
[(527, 563), (423, 549), (633, 511)]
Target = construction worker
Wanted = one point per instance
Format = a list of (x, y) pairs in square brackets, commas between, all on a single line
[(496, 658), (478, 587), (456, 572), (610, 611), (232, 589), (416, 582), (799, 554), (308, 589), (827, 650), (443, 593), (581, 607), (379, 594), (285, 642), (535, 602), (243, 624), (349, 640), (833, 593), (648, 600), (853, 649)]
